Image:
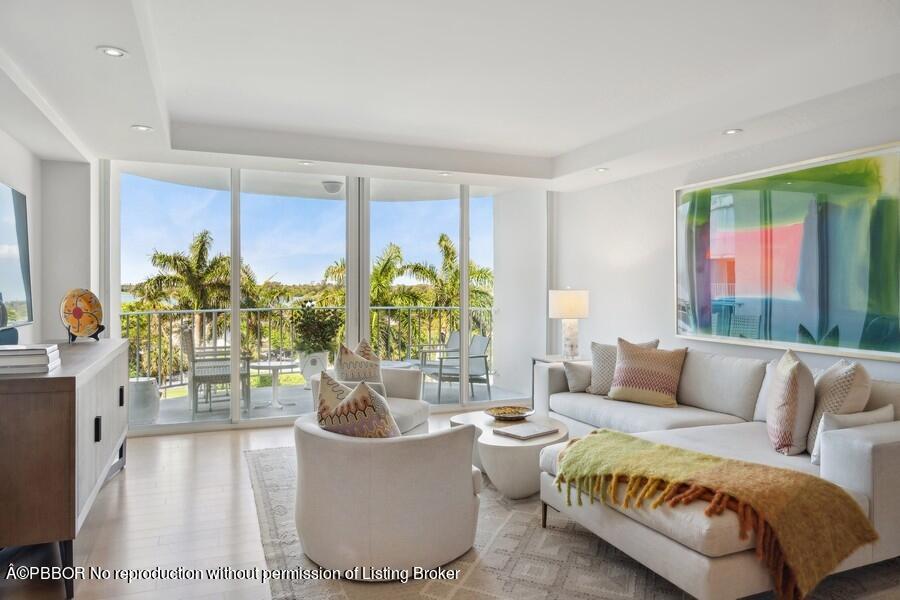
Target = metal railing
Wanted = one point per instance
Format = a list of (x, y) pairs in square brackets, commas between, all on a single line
[(397, 333)]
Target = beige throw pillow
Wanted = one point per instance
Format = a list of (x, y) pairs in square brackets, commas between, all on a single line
[(359, 365), (830, 422), (578, 375), (790, 400), (603, 366), (646, 375), (357, 412), (842, 389)]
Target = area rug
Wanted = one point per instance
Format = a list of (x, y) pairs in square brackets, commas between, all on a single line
[(514, 558)]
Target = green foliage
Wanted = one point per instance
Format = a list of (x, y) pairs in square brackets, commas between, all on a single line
[(315, 329)]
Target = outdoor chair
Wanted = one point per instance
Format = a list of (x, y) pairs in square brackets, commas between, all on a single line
[(445, 365), (209, 366)]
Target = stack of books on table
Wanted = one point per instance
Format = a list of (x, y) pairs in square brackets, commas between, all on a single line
[(28, 359)]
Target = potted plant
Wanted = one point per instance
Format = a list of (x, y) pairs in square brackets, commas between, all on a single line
[(315, 332)]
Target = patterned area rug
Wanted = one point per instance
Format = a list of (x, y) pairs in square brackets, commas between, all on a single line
[(513, 557)]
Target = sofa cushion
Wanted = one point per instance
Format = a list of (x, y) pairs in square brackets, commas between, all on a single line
[(578, 375), (721, 383), (841, 390), (408, 413), (646, 375), (884, 393), (790, 401), (603, 366), (630, 417), (711, 536)]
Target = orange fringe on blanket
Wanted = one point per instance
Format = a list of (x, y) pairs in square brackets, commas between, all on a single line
[(639, 488)]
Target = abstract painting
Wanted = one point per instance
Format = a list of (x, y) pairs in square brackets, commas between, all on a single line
[(810, 256)]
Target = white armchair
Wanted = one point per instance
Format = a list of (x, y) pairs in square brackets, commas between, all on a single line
[(397, 503)]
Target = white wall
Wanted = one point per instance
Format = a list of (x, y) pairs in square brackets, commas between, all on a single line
[(520, 277), (21, 169), (617, 240), (68, 237)]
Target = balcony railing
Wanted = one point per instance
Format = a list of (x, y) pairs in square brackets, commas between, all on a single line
[(397, 332)]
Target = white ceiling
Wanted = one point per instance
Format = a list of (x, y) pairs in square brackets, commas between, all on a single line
[(505, 91)]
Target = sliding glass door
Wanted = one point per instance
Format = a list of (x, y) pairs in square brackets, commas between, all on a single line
[(293, 293), (414, 298), (175, 297)]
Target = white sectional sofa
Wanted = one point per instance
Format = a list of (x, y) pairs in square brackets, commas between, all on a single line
[(719, 413)]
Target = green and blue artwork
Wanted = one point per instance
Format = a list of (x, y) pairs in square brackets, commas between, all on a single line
[(809, 256)]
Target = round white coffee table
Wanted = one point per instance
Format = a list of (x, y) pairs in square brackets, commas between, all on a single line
[(511, 464)]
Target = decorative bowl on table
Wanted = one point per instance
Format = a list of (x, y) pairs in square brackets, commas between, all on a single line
[(509, 413)]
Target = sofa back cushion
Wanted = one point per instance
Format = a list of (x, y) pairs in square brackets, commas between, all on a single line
[(884, 393), (725, 384)]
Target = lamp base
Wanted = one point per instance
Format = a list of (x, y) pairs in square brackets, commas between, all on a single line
[(570, 338)]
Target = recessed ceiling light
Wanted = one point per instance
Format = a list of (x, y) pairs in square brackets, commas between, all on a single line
[(445, 173), (732, 131), (112, 51), (142, 128), (601, 169), (305, 163)]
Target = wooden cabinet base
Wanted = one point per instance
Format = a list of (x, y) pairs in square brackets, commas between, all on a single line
[(62, 435)]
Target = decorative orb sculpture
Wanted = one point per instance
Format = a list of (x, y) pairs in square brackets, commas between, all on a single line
[(81, 314)]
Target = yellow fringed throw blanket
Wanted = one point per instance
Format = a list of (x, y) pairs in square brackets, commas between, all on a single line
[(805, 526)]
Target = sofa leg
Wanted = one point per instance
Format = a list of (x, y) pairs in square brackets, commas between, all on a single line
[(543, 515)]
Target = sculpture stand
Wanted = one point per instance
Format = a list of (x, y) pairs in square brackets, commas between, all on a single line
[(95, 336)]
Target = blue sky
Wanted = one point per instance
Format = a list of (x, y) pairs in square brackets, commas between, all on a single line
[(286, 239)]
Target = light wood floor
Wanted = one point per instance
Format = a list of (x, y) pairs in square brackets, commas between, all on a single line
[(183, 500)]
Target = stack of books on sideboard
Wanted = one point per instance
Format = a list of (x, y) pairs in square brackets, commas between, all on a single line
[(29, 359)]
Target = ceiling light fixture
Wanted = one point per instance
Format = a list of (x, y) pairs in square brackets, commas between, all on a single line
[(601, 169), (142, 128), (112, 51), (305, 163), (445, 173), (333, 187), (734, 131)]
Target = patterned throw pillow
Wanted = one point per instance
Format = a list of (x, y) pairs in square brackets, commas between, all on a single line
[(647, 375), (603, 366), (842, 389), (357, 412), (790, 400), (361, 365)]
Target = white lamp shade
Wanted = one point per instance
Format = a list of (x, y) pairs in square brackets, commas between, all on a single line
[(568, 304)]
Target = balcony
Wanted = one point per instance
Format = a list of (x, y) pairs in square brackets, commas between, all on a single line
[(269, 337)]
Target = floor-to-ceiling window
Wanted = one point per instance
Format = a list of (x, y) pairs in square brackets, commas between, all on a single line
[(323, 259), (293, 256), (175, 296), (414, 281)]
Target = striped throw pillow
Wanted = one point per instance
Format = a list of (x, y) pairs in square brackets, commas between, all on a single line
[(603, 366), (790, 399), (646, 375)]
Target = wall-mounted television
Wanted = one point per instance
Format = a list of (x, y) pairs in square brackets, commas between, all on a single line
[(15, 265), (805, 256)]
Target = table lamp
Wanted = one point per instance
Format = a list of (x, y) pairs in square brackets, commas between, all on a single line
[(569, 305)]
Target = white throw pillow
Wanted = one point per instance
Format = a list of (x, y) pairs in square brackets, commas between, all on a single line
[(841, 390), (603, 366), (790, 401), (830, 422), (359, 365), (578, 375)]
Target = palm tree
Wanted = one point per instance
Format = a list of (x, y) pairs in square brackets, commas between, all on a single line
[(195, 280), (445, 281)]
